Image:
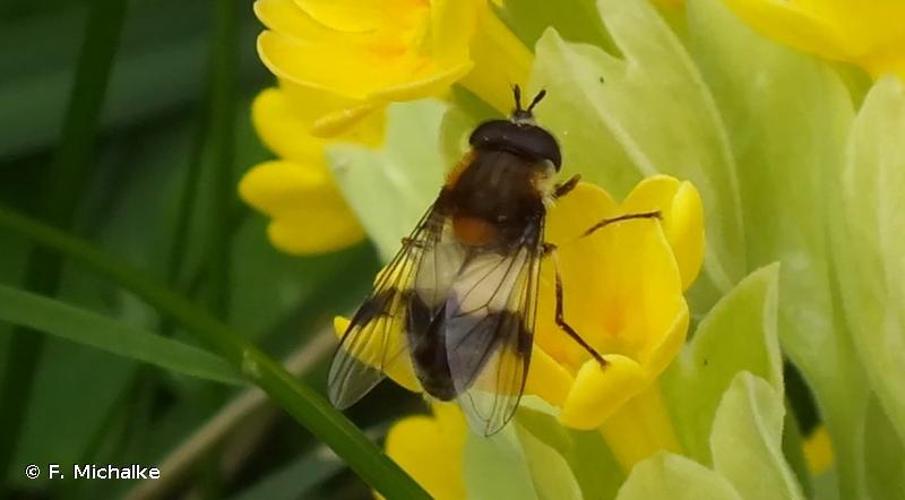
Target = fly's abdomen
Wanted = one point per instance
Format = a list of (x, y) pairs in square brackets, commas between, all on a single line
[(427, 344)]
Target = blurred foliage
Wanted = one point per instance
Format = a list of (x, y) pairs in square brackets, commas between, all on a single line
[(88, 406)]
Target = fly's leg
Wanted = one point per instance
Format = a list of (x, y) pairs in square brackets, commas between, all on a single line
[(549, 249), (566, 187), (409, 242), (563, 189), (654, 214)]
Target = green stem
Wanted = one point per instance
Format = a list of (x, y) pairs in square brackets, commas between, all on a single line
[(187, 197), (305, 405), (222, 121), (72, 166)]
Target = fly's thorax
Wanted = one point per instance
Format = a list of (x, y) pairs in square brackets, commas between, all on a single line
[(496, 196)]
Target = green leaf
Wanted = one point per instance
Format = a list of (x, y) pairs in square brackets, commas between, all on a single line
[(788, 115), (575, 20), (747, 440), (739, 334), (392, 188), (884, 456), (621, 119), (550, 472), (793, 449), (496, 467), (84, 327), (666, 475), (870, 243), (588, 457)]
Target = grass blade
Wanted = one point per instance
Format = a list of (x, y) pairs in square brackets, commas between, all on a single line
[(85, 327), (304, 404)]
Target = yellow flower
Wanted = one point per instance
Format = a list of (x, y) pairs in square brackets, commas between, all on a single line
[(818, 451), (866, 33), (309, 214), (431, 448), (623, 294), (339, 62), (366, 53)]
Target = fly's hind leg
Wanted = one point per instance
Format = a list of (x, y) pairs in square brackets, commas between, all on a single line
[(549, 249)]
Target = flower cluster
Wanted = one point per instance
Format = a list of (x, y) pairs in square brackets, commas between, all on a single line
[(338, 64), (774, 137)]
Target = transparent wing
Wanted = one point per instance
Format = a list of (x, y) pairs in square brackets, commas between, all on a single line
[(489, 332), (374, 342)]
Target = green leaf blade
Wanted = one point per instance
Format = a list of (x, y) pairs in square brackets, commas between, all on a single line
[(390, 189), (739, 334), (87, 328), (746, 441), (666, 475), (870, 243)]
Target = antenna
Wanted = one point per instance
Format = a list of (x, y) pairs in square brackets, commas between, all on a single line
[(538, 98), (517, 93)]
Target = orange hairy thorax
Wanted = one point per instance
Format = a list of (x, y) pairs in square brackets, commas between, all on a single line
[(473, 231)]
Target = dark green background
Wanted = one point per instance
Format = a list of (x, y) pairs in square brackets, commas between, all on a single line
[(181, 84)]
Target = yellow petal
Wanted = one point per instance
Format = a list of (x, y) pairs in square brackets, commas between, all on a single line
[(818, 451), (683, 219), (281, 187), (355, 74), (685, 232), (880, 63), (346, 70), (310, 215), (640, 428), (579, 260), (659, 356), (400, 371), (453, 24), (621, 292), (286, 17), (327, 115), (500, 60), (316, 232), (547, 378), (869, 34), (346, 124), (574, 213), (599, 392), (358, 15), (282, 131), (428, 81), (788, 23), (431, 450)]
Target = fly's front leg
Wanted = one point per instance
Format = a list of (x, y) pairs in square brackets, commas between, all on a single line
[(563, 189), (653, 214), (549, 249)]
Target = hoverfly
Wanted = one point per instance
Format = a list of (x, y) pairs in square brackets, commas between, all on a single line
[(457, 302)]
